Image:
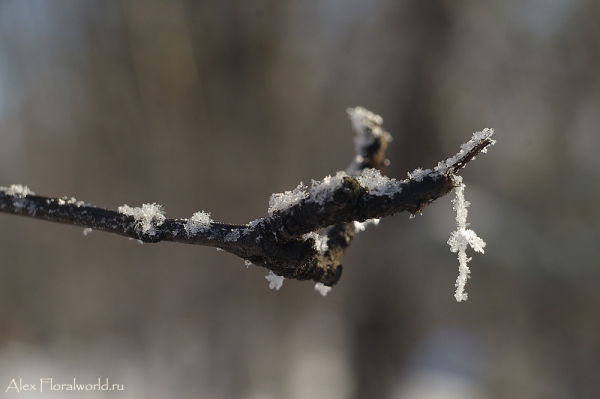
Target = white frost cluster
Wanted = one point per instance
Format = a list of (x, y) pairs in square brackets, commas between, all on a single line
[(418, 174), (321, 190), (199, 222), (147, 218), (443, 166), (378, 184), (462, 238), (365, 123), (322, 289), (87, 230), (320, 241), (71, 201), (358, 226), (275, 281), (368, 128), (17, 190), (283, 201)]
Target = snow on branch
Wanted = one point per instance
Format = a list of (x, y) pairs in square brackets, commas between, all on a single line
[(148, 217), (286, 241)]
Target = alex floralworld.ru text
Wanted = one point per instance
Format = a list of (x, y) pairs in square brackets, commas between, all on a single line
[(48, 384)]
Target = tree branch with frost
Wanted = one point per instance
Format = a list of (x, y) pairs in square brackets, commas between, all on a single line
[(287, 241)]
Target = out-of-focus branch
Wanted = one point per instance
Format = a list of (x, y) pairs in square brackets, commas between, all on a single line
[(284, 242)]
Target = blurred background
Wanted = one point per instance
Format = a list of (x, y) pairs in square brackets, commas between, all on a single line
[(215, 105)]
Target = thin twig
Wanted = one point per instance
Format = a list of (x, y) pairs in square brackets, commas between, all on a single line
[(279, 242)]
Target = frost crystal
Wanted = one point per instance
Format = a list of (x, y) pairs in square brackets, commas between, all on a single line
[(232, 236), (275, 281), (251, 226), (321, 190), (87, 231), (320, 241), (358, 226), (283, 201), (17, 190), (248, 264), (366, 125), (199, 222), (462, 238), (322, 289), (368, 128), (71, 201), (376, 183), (418, 174), (22, 203), (147, 218), (486, 133)]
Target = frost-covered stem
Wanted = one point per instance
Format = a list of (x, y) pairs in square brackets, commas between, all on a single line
[(278, 242), (462, 238)]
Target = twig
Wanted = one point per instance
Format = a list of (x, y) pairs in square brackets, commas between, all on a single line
[(283, 242)]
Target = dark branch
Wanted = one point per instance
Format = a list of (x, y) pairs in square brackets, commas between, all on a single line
[(281, 242)]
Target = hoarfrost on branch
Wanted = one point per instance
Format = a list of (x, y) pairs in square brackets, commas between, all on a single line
[(199, 222), (287, 242), (233, 236), (275, 281), (358, 226), (321, 190), (378, 184), (478, 137), (322, 289), (147, 218), (462, 238), (283, 201), (320, 241), (17, 190)]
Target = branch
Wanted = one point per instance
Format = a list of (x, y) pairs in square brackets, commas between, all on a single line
[(286, 242)]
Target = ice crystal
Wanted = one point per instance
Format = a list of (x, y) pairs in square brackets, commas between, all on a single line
[(199, 222), (320, 241), (17, 190), (232, 236), (275, 281), (378, 184), (321, 190), (283, 201), (322, 289), (462, 238), (486, 133), (358, 226), (147, 218), (418, 174), (367, 125)]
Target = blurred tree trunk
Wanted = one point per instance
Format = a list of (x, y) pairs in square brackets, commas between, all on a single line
[(385, 333)]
